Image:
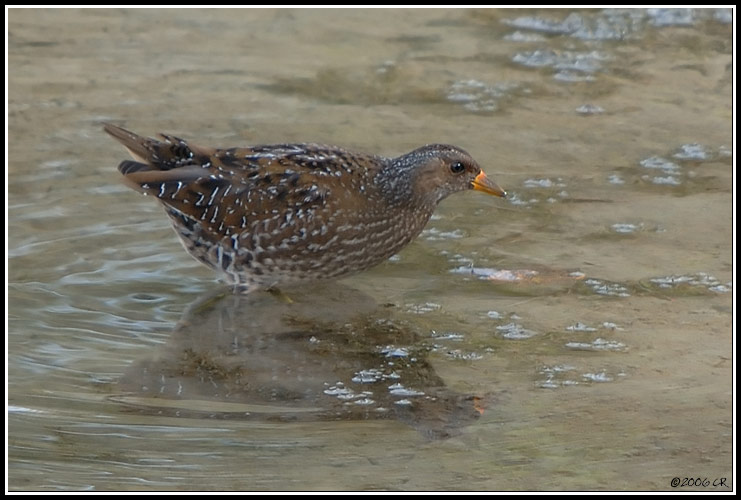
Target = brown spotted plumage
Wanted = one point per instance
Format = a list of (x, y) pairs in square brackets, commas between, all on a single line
[(268, 215)]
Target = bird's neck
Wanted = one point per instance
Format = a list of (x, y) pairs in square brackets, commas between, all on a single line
[(396, 183)]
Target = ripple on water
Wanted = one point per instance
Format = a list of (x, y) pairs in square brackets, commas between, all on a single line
[(520, 36), (598, 377), (673, 171), (610, 24), (514, 198), (555, 376), (395, 352), (560, 376), (572, 77), (582, 62), (370, 376), (398, 389), (503, 275), (425, 308), (515, 331), (657, 162), (434, 234), (615, 24), (454, 336), (672, 17), (340, 391), (543, 183), (598, 344), (703, 280), (601, 287), (694, 151), (583, 327), (626, 228), (463, 355), (481, 97), (590, 109), (580, 327), (568, 25), (668, 180)]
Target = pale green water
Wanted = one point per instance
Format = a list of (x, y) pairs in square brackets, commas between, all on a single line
[(97, 281)]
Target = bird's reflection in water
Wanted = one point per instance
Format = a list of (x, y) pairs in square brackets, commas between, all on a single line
[(325, 353)]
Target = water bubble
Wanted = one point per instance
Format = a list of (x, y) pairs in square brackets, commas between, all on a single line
[(400, 390), (515, 331), (589, 109), (626, 228), (671, 17), (370, 376), (669, 180), (694, 151), (596, 345), (580, 327), (660, 163), (597, 377)]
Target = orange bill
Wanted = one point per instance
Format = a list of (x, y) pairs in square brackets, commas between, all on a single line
[(482, 183)]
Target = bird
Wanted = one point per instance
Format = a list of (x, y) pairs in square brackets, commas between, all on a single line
[(271, 215)]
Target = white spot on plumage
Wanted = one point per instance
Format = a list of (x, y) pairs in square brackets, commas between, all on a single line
[(180, 185), (213, 195)]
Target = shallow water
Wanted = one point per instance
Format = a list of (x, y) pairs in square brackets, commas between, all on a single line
[(575, 336)]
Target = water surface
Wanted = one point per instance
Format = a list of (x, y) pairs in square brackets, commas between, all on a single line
[(575, 336)]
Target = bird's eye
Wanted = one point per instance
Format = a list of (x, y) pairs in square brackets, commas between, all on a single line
[(457, 167)]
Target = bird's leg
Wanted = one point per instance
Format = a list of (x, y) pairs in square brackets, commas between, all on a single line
[(275, 292), (245, 288)]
